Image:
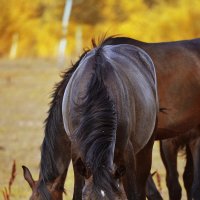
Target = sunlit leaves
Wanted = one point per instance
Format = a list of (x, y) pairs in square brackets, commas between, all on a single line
[(38, 23)]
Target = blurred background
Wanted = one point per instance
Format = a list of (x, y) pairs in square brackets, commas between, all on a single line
[(40, 38)]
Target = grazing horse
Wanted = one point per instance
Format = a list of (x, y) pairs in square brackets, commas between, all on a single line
[(55, 151), (55, 156), (169, 149), (109, 112)]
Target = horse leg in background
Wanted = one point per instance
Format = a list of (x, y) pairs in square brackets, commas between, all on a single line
[(152, 192), (195, 150), (78, 181), (169, 151), (143, 167), (188, 173)]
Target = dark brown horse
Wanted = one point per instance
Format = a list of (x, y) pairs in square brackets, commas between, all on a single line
[(141, 59), (178, 72)]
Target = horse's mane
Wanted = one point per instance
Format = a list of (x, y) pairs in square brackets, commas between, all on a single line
[(95, 135), (54, 123), (53, 129)]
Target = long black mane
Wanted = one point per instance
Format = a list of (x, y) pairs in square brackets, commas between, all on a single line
[(54, 129), (96, 134), (55, 134)]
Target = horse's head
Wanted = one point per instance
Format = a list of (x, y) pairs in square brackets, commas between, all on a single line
[(91, 191), (53, 190), (89, 194)]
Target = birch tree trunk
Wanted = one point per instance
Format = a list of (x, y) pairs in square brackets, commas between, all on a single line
[(63, 40)]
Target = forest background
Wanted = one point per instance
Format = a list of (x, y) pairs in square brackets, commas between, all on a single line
[(35, 27)]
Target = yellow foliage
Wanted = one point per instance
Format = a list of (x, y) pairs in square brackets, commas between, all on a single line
[(38, 23)]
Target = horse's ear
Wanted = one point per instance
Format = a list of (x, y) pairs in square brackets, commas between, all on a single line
[(120, 171), (28, 177), (83, 171)]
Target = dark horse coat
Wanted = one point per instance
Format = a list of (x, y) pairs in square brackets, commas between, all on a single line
[(111, 99)]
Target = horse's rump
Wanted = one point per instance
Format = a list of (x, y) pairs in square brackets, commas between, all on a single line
[(113, 88), (129, 77)]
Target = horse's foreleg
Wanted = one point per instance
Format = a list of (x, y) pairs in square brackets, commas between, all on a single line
[(78, 181), (188, 173), (195, 150), (169, 153)]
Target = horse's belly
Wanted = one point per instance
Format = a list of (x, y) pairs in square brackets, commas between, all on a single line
[(179, 120), (181, 98)]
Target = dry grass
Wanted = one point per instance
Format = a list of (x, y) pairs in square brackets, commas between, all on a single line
[(7, 190), (25, 89)]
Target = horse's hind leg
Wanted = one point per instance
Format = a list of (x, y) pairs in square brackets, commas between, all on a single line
[(129, 179), (169, 152), (188, 173), (143, 167), (78, 181), (195, 150)]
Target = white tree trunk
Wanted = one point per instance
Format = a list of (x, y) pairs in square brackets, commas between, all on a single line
[(65, 23), (13, 49)]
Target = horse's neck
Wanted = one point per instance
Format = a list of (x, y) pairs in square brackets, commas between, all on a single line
[(55, 155)]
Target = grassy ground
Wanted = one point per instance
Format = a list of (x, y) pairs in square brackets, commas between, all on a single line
[(25, 86)]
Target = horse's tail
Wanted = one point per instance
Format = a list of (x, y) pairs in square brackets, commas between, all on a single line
[(96, 134), (54, 128)]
